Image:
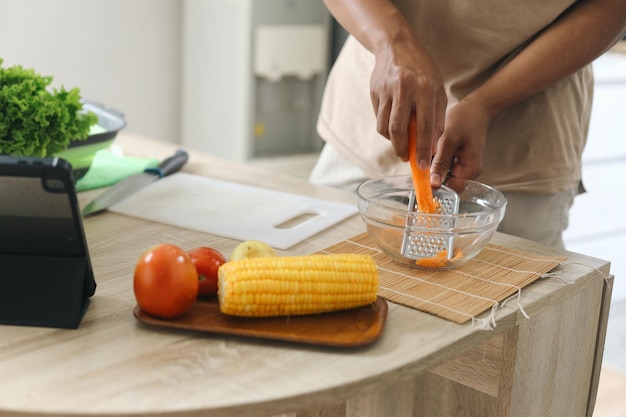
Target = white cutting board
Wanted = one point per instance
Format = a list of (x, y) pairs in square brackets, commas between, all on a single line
[(233, 210)]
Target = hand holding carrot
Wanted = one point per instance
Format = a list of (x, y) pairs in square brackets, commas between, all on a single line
[(420, 174)]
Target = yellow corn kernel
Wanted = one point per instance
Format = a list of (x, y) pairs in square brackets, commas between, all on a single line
[(296, 285)]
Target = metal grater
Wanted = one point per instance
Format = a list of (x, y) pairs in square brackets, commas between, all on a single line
[(418, 241)]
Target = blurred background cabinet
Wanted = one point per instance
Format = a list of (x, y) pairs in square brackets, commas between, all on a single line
[(253, 72), (237, 78)]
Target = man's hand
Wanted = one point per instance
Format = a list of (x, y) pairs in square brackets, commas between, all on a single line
[(461, 147), (405, 80)]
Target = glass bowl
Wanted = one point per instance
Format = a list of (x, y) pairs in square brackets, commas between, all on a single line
[(383, 204)]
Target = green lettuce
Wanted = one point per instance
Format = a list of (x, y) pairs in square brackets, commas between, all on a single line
[(36, 120)]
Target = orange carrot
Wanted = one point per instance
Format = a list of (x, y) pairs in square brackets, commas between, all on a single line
[(440, 260), (421, 177), (424, 197)]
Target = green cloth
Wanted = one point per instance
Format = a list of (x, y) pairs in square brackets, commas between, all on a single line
[(107, 168)]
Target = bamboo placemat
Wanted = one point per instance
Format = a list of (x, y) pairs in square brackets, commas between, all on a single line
[(460, 294)]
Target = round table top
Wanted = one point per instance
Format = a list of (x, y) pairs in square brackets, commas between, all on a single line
[(115, 365)]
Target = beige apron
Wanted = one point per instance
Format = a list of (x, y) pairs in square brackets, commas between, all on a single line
[(534, 146)]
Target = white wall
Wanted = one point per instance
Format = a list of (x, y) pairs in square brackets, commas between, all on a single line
[(123, 53)]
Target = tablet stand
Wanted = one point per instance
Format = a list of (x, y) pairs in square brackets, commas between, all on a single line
[(43, 291)]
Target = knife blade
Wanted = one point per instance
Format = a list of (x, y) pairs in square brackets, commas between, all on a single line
[(136, 182)]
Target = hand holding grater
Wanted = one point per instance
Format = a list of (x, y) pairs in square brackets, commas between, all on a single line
[(428, 235)]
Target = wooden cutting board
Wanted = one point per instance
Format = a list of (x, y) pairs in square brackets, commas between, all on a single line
[(344, 329), (234, 210)]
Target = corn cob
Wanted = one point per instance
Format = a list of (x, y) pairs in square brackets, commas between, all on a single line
[(296, 285)]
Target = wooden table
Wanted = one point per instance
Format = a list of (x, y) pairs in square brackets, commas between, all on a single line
[(113, 365)]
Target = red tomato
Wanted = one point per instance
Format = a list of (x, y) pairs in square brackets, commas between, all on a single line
[(165, 281), (207, 261)]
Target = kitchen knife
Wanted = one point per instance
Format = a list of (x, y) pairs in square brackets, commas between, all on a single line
[(134, 183)]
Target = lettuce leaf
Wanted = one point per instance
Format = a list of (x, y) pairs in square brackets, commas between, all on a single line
[(36, 120)]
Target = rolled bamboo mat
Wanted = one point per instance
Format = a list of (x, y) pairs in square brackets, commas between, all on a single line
[(459, 294)]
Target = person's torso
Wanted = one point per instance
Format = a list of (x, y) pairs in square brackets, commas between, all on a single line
[(534, 146)]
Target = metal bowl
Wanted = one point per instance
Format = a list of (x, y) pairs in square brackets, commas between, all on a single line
[(80, 153), (383, 204)]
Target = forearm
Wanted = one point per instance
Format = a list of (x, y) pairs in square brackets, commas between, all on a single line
[(574, 40), (405, 80), (376, 24)]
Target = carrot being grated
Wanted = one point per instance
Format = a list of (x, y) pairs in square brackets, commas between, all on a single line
[(424, 198), (420, 177), (440, 260)]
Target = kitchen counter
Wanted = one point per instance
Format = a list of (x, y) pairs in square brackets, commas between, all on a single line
[(113, 365)]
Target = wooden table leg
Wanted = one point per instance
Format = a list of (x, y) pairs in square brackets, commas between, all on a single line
[(396, 400), (548, 365), (558, 354), (602, 328), (338, 410)]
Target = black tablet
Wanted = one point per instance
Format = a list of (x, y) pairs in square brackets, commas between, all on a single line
[(46, 277)]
